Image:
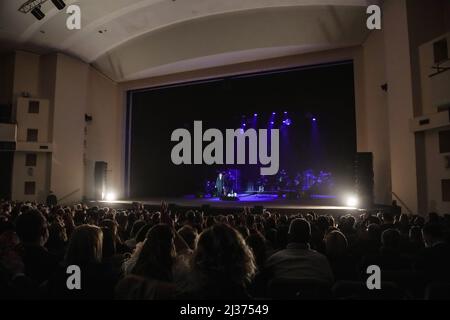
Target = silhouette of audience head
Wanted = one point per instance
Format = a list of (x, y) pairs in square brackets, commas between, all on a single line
[(432, 233), (142, 233), (85, 246), (415, 234), (374, 232), (299, 231), (32, 228), (222, 255), (388, 218), (109, 243), (323, 223), (257, 243), (156, 258), (335, 244), (390, 239), (189, 235)]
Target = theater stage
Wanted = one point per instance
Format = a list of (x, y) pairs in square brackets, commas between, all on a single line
[(271, 202)]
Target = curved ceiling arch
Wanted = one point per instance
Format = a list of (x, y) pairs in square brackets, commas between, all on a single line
[(110, 26), (262, 31), (125, 19), (149, 15)]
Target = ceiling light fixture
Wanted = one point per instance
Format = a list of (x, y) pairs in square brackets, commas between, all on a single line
[(37, 13), (59, 4), (30, 5), (34, 6)]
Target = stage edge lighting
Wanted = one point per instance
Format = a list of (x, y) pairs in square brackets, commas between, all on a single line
[(110, 196), (351, 201)]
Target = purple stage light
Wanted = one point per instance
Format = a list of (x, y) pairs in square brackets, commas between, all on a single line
[(244, 125), (314, 119), (274, 113), (272, 123), (287, 122), (285, 112), (255, 114)]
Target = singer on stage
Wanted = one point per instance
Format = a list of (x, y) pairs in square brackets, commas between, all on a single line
[(220, 185)]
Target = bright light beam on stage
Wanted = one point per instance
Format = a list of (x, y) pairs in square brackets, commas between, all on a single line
[(352, 201), (110, 196)]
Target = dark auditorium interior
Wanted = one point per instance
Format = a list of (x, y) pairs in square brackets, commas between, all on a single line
[(230, 150)]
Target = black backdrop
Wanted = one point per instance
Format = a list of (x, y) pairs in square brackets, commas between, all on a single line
[(325, 92)]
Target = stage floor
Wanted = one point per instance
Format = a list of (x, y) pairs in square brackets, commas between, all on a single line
[(268, 201)]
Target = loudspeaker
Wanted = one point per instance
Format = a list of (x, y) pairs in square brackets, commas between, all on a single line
[(363, 177), (100, 179)]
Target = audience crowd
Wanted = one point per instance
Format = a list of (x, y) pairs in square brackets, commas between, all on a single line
[(138, 253)]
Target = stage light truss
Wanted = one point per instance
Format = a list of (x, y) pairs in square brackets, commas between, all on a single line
[(30, 5)]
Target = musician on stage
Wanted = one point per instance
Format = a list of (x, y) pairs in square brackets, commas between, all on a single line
[(220, 185)]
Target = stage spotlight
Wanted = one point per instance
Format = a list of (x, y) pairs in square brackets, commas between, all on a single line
[(352, 201), (285, 112), (59, 4), (255, 114), (110, 196), (287, 122), (274, 113), (314, 119), (37, 13), (272, 123)]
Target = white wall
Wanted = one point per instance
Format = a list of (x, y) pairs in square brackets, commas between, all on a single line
[(26, 74), (26, 80), (400, 103), (37, 121), (38, 174), (67, 171), (375, 115), (72, 89), (103, 134)]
